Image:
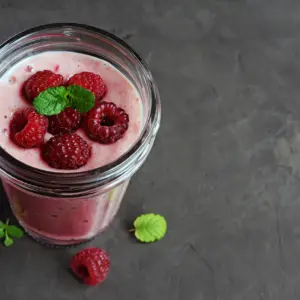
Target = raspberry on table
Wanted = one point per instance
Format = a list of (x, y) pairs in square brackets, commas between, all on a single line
[(28, 128), (40, 81), (106, 122), (90, 81), (91, 265), (68, 151), (66, 121)]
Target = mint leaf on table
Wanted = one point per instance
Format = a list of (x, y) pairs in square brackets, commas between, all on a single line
[(150, 227), (8, 241), (80, 98), (51, 101), (8, 232), (54, 100), (14, 231)]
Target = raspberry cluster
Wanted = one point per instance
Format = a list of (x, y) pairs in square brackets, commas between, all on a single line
[(105, 122)]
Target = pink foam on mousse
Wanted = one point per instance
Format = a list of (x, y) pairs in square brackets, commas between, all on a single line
[(62, 220), (119, 90)]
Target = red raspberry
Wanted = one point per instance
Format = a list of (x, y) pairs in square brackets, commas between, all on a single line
[(90, 81), (91, 265), (66, 121), (28, 128), (68, 151), (106, 122), (41, 81)]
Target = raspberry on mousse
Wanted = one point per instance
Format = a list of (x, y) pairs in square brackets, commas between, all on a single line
[(90, 81), (28, 128), (106, 122), (40, 81), (68, 151), (66, 121)]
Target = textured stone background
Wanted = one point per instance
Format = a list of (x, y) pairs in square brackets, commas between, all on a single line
[(225, 168)]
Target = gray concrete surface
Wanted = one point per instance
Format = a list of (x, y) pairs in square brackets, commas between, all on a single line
[(225, 168)]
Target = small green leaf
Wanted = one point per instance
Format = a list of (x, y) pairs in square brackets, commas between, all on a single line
[(8, 241), (2, 233), (150, 227), (51, 101), (15, 231), (2, 225), (81, 99)]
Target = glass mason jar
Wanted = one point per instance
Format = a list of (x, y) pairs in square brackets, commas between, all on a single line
[(70, 208)]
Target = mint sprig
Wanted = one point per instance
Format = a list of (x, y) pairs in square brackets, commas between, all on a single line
[(51, 101), (149, 227), (54, 100), (81, 99), (8, 232)]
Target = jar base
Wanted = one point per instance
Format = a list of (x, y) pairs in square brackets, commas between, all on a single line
[(52, 243)]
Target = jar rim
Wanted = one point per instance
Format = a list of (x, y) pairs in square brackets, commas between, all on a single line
[(53, 183)]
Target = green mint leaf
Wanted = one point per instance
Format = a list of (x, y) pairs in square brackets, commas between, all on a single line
[(2, 225), (150, 227), (51, 101), (2, 233), (14, 231), (81, 99), (8, 241)]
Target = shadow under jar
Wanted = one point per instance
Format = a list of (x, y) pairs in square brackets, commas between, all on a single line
[(70, 208)]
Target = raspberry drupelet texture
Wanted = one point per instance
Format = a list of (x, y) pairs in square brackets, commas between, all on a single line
[(91, 265), (90, 81), (28, 128), (106, 122), (68, 151), (40, 81), (66, 121)]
